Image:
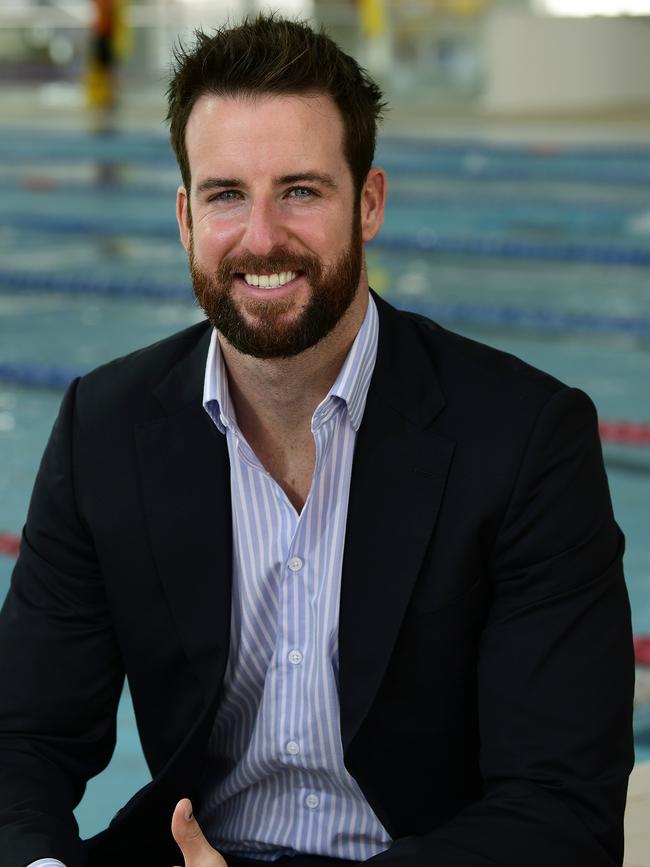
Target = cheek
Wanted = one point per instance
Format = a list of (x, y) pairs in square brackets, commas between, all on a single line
[(213, 240), (326, 238)]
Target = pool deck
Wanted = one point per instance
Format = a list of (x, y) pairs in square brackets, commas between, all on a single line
[(637, 818), (142, 105)]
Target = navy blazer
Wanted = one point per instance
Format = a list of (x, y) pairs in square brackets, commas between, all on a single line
[(486, 666)]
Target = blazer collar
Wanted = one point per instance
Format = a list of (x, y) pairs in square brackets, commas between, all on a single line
[(182, 385), (405, 377)]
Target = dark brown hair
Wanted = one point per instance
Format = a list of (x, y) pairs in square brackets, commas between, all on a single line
[(271, 55)]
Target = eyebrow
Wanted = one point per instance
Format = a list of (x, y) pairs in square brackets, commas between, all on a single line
[(313, 177)]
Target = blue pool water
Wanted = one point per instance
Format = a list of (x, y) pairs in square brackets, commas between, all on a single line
[(513, 243)]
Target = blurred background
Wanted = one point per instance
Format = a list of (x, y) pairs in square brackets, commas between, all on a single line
[(518, 153)]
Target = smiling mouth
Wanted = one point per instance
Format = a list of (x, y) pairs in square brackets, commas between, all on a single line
[(269, 281)]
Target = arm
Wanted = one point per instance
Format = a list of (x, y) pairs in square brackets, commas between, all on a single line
[(555, 671), (60, 668)]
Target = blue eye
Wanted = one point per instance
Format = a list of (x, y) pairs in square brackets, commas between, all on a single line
[(224, 196), (302, 193)]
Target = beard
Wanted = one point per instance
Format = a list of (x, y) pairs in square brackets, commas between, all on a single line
[(269, 331)]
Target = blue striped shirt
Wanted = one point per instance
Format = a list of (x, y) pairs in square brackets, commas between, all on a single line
[(275, 782)]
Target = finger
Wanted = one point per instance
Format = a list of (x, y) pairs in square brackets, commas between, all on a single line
[(197, 852)]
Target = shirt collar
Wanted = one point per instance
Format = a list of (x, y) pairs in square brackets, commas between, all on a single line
[(351, 385), (216, 394), (353, 381)]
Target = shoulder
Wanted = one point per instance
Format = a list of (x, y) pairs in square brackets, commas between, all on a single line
[(467, 369), (480, 392), (126, 386)]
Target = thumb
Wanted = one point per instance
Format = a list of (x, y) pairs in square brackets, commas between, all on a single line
[(197, 852)]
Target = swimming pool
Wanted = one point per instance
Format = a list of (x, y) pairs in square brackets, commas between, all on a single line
[(542, 253)]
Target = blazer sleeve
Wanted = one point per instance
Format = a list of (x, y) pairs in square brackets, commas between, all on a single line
[(60, 669), (555, 670)]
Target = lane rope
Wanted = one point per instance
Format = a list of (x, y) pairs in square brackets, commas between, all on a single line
[(453, 311), (448, 311), (642, 650), (17, 139), (536, 318), (503, 248), (581, 213), (75, 284), (9, 544), (473, 164), (424, 241), (35, 375), (625, 433)]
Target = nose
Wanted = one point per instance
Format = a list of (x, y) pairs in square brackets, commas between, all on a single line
[(264, 229)]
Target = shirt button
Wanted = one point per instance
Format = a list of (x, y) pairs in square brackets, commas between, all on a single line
[(295, 564), (312, 801), (295, 657), (292, 748)]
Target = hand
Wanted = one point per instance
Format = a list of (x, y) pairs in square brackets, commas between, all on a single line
[(197, 852)]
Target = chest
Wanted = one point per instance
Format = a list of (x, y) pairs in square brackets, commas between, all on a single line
[(290, 505), (292, 468)]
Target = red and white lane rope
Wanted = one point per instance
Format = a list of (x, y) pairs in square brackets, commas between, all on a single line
[(9, 544), (642, 650), (627, 433)]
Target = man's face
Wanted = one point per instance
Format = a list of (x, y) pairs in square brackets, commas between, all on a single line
[(276, 232)]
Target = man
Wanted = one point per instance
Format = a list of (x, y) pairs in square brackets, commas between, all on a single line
[(362, 573)]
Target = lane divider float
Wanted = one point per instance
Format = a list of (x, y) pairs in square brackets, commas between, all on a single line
[(425, 241), (447, 311)]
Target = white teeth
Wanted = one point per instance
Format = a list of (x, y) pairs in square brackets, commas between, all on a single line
[(264, 281)]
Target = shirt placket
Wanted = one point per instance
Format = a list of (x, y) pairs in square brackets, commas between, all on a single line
[(297, 655)]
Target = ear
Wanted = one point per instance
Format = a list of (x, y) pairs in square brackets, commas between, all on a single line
[(183, 216), (373, 203)]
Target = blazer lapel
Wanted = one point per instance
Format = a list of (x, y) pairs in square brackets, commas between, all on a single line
[(186, 492), (398, 478)]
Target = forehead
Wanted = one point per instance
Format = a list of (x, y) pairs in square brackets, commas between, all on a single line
[(230, 134)]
